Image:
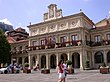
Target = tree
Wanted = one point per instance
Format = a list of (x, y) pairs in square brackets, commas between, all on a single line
[(5, 48)]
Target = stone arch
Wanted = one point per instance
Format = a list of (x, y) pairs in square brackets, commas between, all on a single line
[(20, 60), (108, 57), (26, 60), (43, 61), (53, 61), (98, 57), (76, 60), (64, 57)]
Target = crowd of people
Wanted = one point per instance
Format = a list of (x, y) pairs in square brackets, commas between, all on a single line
[(62, 70)]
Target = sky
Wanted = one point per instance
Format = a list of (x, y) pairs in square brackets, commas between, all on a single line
[(20, 13)]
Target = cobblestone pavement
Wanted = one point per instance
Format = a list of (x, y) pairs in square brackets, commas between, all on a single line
[(36, 76)]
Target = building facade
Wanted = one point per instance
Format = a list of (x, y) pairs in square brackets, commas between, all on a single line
[(73, 37), (18, 39)]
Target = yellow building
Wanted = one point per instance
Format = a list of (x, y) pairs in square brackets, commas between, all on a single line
[(73, 37)]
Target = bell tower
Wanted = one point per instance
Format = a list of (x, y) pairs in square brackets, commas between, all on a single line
[(52, 13)]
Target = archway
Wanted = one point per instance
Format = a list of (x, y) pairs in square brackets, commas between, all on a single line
[(26, 60), (76, 60), (33, 61), (98, 57), (53, 61), (20, 60), (108, 57), (43, 61), (64, 57)]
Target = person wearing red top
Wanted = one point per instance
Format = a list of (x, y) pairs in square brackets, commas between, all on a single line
[(60, 71)]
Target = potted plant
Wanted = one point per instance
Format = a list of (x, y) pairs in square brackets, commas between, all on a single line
[(87, 65), (26, 68), (45, 70), (104, 69), (70, 68)]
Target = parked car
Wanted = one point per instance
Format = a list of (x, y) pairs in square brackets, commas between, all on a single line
[(10, 69), (5, 70)]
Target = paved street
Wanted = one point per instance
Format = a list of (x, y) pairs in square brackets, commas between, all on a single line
[(36, 76)]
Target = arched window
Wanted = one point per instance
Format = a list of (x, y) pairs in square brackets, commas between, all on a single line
[(98, 57), (108, 57), (43, 61)]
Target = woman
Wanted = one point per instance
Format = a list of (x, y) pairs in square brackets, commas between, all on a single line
[(65, 70), (60, 71)]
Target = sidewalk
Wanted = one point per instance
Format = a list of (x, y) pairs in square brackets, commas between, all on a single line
[(36, 76)]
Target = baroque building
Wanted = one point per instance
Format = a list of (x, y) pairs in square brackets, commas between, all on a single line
[(73, 37)]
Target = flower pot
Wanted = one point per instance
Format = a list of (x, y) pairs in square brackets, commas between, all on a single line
[(104, 70), (45, 71), (70, 70)]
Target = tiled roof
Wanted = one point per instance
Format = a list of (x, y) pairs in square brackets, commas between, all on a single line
[(11, 40)]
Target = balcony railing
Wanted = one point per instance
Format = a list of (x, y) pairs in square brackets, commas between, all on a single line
[(56, 45), (101, 43), (61, 45)]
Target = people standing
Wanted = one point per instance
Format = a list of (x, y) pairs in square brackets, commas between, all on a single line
[(65, 70), (60, 71)]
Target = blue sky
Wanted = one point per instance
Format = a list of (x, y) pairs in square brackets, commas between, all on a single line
[(21, 12)]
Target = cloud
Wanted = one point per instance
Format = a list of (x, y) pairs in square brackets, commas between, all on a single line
[(6, 21), (109, 12)]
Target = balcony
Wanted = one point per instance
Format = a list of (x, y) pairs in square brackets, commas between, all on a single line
[(56, 45), (101, 43)]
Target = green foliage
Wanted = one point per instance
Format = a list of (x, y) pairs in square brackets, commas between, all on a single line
[(87, 64), (69, 62), (5, 48), (104, 65), (26, 65)]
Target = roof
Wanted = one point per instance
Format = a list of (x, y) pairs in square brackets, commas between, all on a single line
[(74, 15), (11, 40)]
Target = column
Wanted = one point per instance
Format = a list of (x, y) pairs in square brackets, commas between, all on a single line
[(17, 60), (93, 61), (38, 60), (57, 58), (47, 61), (22, 60), (30, 61), (69, 56), (105, 57), (81, 60)]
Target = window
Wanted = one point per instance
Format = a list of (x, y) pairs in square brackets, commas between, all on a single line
[(74, 37), (20, 48), (42, 42), (35, 43), (108, 57), (98, 57), (85, 37), (63, 39), (97, 38), (108, 36), (15, 49)]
